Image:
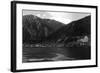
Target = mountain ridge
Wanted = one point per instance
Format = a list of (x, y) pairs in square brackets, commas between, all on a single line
[(37, 29)]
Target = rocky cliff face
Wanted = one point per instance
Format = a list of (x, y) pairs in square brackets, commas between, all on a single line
[(37, 29)]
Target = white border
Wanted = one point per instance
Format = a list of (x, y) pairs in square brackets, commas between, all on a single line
[(38, 65)]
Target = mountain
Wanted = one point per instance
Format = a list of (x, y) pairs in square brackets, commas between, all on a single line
[(76, 28), (83, 25), (36, 29)]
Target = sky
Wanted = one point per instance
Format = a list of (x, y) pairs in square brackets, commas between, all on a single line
[(64, 17)]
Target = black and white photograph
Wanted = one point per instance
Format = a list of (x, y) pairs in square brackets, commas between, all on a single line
[(56, 36), (47, 36)]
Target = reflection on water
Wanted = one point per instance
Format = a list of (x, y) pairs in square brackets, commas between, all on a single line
[(61, 57), (38, 54), (56, 58)]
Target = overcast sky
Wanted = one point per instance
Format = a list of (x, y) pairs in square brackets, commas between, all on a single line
[(64, 17)]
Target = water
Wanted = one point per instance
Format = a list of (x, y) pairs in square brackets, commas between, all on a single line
[(39, 54)]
